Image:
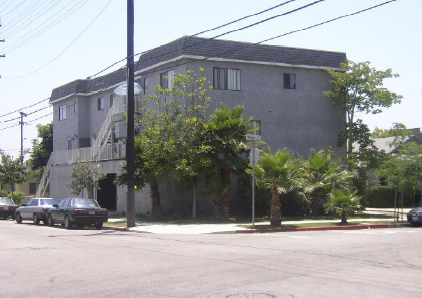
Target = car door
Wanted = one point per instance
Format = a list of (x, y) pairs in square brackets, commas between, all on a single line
[(61, 210), (23, 209), (32, 208)]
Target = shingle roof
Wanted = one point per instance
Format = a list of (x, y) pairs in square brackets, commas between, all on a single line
[(211, 48)]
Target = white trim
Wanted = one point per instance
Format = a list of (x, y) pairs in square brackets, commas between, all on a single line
[(137, 76)]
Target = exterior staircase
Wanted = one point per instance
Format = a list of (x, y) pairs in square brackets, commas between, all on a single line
[(45, 180)]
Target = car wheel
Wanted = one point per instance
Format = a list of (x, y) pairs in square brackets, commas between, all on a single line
[(35, 219), (50, 221), (18, 218), (67, 223), (98, 225)]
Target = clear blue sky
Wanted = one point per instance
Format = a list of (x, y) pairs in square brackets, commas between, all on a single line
[(388, 37)]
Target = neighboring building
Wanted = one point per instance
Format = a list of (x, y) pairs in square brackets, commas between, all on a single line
[(280, 86), (29, 187)]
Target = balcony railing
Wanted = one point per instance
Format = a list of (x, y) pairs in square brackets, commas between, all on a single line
[(108, 152)]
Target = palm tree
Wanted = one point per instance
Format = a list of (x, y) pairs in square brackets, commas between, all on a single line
[(225, 132), (281, 174), (342, 202), (322, 172)]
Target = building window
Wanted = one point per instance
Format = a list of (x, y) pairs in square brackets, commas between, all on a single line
[(62, 113), (226, 79), (146, 85), (289, 81), (69, 144), (166, 79), (111, 100), (33, 188), (100, 103), (74, 107)]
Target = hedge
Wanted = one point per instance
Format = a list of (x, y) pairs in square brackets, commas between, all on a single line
[(383, 197)]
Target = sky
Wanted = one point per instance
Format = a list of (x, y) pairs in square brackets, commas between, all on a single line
[(49, 43)]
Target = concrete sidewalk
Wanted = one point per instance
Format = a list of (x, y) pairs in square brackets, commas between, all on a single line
[(165, 228)]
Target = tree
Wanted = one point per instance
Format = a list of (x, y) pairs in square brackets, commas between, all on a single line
[(12, 171), (359, 88), (190, 108), (83, 178), (42, 147), (281, 174), (342, 202), (323, 173), (225, 133)]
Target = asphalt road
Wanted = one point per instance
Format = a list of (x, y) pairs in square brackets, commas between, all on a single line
[(39, 261)]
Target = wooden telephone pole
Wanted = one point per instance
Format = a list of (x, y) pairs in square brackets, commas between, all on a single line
[(130, 141)]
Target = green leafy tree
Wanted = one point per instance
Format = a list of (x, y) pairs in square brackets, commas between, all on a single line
[(323, 173), (280, 173), (225, 132), (82, 178), (342, 202), (398, 130), (358, 88), (12, 171), (42, 147), (190, 109)]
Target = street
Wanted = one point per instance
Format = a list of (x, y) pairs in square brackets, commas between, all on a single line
[(39, 261)]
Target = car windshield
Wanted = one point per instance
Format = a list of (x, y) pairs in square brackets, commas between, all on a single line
[(6, 201), (50, 202), (84, 203)]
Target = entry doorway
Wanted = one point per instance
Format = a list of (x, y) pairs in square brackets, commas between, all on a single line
[(107, 194)]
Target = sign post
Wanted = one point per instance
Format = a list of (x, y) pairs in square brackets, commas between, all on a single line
[(95, 176), (253, 140)]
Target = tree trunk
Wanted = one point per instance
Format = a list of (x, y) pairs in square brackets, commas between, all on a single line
[(225, 198), (157, 210), (315, 202), (344, 217), (193, 199), (275, 208)]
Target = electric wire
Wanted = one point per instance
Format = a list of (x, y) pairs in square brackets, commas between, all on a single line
[(30, 106), (24, 23), (59, 19), (62, 52), (278, 36), (5, 14)]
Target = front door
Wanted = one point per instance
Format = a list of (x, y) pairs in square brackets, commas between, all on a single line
[(107, 194)]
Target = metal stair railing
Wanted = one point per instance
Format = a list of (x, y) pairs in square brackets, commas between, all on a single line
[(45, 180), (104, 133)]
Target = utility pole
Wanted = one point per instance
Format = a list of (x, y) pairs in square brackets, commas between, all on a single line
[(1, 40), (130, 141), (22, 124)]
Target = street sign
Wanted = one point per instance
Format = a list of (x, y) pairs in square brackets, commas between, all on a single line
[(251, 137), (95, 175)]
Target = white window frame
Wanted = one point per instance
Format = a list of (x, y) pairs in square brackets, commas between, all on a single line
[(62, 113), (166, 79)]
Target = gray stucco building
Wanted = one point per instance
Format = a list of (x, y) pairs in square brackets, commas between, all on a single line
[(280, 86)]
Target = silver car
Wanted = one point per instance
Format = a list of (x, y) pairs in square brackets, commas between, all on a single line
[(35, 209)]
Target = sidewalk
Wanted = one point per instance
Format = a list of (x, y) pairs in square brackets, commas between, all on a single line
[(228, 228)]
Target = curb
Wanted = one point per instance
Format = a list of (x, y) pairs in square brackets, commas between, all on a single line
[(359, 227)]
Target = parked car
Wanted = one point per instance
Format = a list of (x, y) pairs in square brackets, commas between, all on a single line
[(7, 208), (35, 209), (414, 216), (77, 211)]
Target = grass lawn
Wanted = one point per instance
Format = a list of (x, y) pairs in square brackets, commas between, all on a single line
[(307, 225)]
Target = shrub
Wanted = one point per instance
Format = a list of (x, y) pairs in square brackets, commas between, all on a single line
[(383, 197), (3, 193), (18, 197)]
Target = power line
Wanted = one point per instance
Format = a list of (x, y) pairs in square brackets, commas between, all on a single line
[(62, 52), (291, 32), (5, 14), (46, 28), (25, 107), (218, 27)]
